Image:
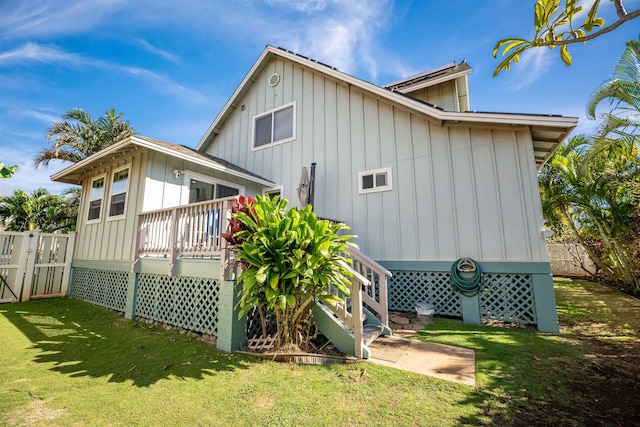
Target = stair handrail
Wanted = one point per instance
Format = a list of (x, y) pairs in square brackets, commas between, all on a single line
[(354, 318), (368, 267)]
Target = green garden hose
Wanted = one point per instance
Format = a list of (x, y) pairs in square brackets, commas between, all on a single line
[(470, 284)]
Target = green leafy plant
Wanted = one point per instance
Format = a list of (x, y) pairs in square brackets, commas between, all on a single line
[(560, 26), (289, 259), (7, 171)]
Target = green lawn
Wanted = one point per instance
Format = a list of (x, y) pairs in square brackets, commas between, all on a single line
[(64, 362)]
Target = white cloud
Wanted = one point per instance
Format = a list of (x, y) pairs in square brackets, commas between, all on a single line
[(40, 53), (38, 115), (53, 55), (533, 64), (28, 19), (340, 33), (159, 52)]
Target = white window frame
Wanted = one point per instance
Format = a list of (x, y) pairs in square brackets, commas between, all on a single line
[(278, 188), (189, 175), (375, 189), (272, 113), (102, 203), (126, 192)]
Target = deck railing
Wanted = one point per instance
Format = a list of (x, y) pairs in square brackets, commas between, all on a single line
[(185, 231), (195, 231)]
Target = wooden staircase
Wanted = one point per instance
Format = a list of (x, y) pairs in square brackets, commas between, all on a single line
[(363, 317)]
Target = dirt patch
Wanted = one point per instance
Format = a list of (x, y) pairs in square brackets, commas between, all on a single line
[(32, 413), (603, 392)]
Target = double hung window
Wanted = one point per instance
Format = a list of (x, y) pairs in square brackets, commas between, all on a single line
[(118, 194), (96, 194)]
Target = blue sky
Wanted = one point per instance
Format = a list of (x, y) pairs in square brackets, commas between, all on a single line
[(171, 65)]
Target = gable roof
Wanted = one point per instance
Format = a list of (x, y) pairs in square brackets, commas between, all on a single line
[(74, 173), (547, 131)]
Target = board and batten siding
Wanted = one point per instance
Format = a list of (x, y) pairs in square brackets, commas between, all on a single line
[(444, 95), (111, 240), (163, 190), (457, 191)]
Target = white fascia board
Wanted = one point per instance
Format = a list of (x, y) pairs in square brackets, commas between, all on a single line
[(435, 81), (82, 163), (511, 119), (488, 118), (150, 145), (211, 164)]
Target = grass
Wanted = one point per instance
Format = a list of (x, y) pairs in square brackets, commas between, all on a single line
[(64, 362)]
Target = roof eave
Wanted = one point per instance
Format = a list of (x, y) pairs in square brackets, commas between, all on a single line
[(77, 167)]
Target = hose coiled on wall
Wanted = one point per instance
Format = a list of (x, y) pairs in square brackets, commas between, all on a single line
[(467, 286)]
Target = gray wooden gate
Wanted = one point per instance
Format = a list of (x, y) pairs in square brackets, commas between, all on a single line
[(34, 265)]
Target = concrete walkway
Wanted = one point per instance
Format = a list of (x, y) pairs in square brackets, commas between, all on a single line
[(436, 360)]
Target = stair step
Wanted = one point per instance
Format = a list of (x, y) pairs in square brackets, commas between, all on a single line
[(370, 333)]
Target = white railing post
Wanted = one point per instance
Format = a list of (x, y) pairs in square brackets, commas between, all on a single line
[(356, 312), (30, 252), (66, 274), (224, 251), (173, 240)]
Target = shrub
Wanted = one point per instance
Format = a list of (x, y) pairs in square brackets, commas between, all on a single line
[(289, 259)]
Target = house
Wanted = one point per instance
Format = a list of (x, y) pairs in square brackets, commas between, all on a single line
[(420, 178)]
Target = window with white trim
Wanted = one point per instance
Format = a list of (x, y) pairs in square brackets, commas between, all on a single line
[(96, 194), (274, 127), (273, 192), (118, 194), (202, 188), (374, 180)]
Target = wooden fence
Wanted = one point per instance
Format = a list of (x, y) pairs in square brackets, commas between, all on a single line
[(570, 259), (34, 265)]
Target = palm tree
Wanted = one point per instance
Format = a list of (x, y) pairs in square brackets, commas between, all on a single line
[(591, 200), (79, 136), (40, 210), (619, 131)]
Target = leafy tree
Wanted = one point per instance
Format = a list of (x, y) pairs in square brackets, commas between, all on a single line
[(7, 171), (591, 199), (79, 136), (290, 259), (556, 26), (619, 131), (40, 210)]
